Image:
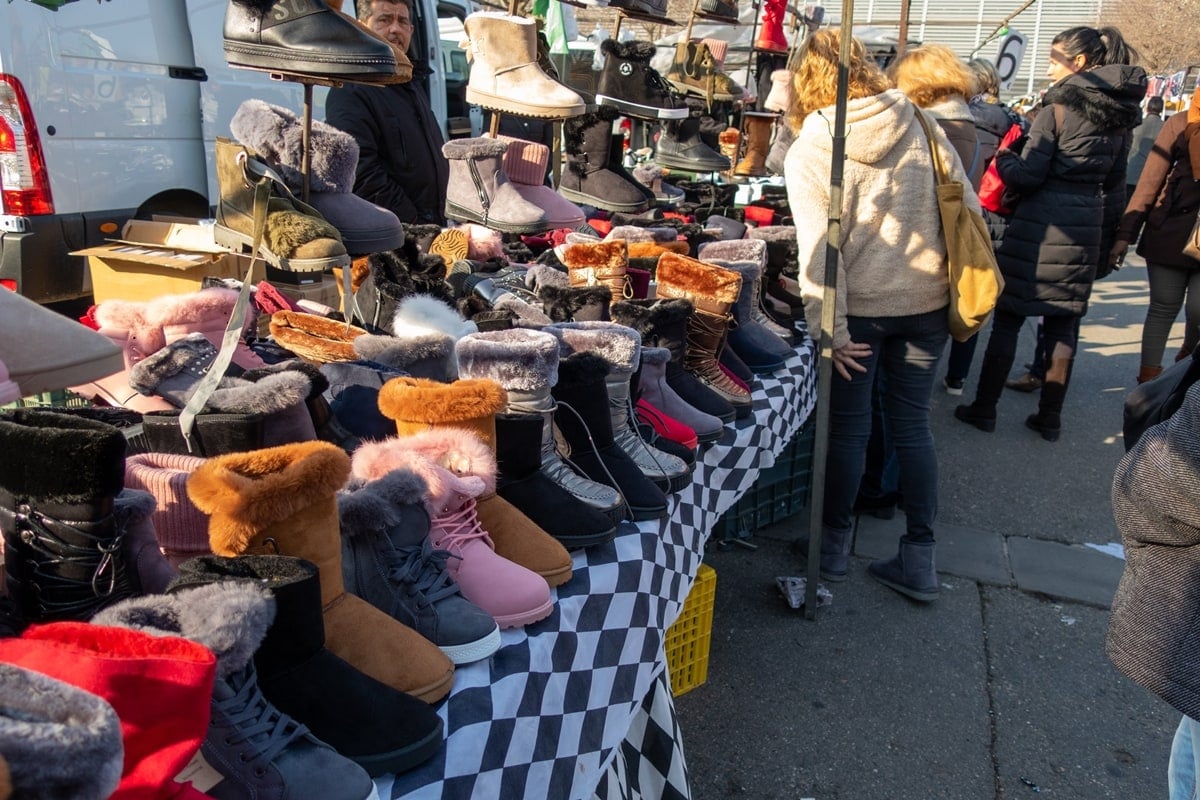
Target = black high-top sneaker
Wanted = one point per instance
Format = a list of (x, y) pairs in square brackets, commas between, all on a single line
[(631, 85)]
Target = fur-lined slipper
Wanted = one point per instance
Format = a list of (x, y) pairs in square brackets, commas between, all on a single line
[(735, 250), (519, 360), (244, 493), (680, 276), (428, 403), (314, 338), (618, 345)]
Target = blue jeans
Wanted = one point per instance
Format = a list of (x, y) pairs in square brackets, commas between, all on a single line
[(907, 350), (1185, 755)]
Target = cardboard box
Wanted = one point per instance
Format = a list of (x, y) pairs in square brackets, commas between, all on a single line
[(154, 258), (324, 292)]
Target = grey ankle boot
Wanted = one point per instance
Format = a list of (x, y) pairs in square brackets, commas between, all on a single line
[(755, 252), (59, 740), (835, 553), (621, 348), (258, 750), (657, 392), (525, 364), (479, 189), (911, 572), (388, 561)]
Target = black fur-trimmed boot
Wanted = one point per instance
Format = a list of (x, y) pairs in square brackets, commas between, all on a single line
[(59, 480), (575, 303), (629, 84), (587, 179)]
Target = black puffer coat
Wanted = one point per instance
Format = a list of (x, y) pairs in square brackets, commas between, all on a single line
[(1070, 180)]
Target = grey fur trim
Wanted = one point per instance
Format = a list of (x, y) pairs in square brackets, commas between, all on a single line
[(371, 507), (772, 233), (639, 233), (275, 133), (312, 371), (618, 345), (147, 374), (271, 394), (399, 352), (60, 741), (735, 250), (473, 148), (228, 617), (747, 269), (531, 315), (539, 275), (655, 355), (134, 505), (520, 360)]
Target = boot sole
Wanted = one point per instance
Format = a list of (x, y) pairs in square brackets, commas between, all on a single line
[(405, 758), (600, 202), (907, 591), (526, 617), (283, 60), (985, 425), (832, 577), (241, 243), (1049, 434), (587, 540), (666, 160), (641, 111), (461, 214), (642, 514), (509, 106), (471, 652)]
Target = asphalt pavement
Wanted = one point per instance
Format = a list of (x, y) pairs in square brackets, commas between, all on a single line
[(999, 689)]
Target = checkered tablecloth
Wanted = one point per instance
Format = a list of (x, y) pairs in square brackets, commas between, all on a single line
[(578, 705)]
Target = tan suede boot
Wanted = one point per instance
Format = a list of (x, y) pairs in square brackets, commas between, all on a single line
[(695, 71), (282, 500), (758, 144), (599, 264), (432, 417), (505, 75)]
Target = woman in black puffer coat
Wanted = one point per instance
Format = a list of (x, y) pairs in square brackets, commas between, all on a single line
[(1070, 175)]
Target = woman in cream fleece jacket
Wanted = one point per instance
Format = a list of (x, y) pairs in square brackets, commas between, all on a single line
[(892, 292)]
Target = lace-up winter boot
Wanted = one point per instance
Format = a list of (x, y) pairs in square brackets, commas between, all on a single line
[(680, 147), (758, 144), (911, 572), (139, 675), (388, 560), (379, 728), (479, 189), (257, 750), (505, 75), (584, 419), (63, 537), (770, 28), (713, 291), (761, 350), (525, 364), (305, 37), (179, 527), (58, 741), (664, 324), (513, 595), (629, 84), (620, 347), (587, 179), (599, 264), (454, 424), (282, 500), (755, 251)]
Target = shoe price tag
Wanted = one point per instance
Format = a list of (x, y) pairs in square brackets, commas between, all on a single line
[(200, 774)]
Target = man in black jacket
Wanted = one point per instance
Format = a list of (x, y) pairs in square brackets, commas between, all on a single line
[(400, 161)]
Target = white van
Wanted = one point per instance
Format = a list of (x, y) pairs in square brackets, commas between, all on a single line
[(109, 110)]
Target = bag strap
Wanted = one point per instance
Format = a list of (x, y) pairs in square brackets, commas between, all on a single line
[(938, 168), (974, 159)]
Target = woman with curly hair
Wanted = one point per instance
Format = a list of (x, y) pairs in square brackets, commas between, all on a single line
[(892, 291)]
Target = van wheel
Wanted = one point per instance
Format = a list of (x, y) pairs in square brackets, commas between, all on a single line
[(175, 203)]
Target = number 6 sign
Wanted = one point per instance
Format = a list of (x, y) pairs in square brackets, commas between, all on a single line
[(1008, 58)]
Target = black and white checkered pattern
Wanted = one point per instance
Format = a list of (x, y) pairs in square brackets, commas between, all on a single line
[(578, 705)]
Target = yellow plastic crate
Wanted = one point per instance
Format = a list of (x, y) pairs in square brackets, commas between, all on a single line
[(688, 640)]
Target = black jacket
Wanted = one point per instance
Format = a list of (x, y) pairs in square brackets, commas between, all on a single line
[(400, 161), (1072, 187)]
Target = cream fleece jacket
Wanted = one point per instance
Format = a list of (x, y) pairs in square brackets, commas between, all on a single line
[(892, 257)]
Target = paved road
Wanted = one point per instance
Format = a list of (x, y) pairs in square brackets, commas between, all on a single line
[(1001, 688)]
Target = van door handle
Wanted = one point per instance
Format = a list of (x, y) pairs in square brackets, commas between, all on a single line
[(188, 73)]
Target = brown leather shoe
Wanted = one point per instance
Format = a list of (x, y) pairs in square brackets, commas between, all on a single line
[(1026, 383)]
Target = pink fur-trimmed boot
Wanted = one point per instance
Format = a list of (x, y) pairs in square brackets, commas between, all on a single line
[(512, 594), (206, 311), (125, 324)]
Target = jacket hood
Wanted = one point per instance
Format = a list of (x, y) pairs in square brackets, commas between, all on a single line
[(950, 108), (873, 125), (1108, 97), (993, 118)]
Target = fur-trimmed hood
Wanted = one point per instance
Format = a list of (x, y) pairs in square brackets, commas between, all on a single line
[(520, 360), (276, 134), (1107, 96), (446, 493), (245, 493), (618, 345)]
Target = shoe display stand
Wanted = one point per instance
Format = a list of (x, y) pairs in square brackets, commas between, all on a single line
[(579, 704), (634, 14)]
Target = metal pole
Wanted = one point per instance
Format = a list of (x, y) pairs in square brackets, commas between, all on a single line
[(833, 238)]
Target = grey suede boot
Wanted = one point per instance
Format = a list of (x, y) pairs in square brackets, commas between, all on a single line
[(388, 561), (148, 568), (657, 392), (525, 363), (911, 572), (835, 553), (258, 750), (479, 190), (59, 740), (753, 250), (761, 350), (586, 178), (621, 348)]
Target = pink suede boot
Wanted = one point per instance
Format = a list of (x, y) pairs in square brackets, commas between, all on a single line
[(125, 324), (206, 311)]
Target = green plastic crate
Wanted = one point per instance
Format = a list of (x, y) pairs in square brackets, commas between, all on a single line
[(781, 491)]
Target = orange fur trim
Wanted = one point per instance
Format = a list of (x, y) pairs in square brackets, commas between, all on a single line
[(243, 493), (600, 255), (431, 402), (695, 279), (315, 338), (656, 249)]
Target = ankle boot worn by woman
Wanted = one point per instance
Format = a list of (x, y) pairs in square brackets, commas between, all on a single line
[(479, 189), (295, 238), (525, 364), (378, 727), (911, 572), (454, 424), (283, 500), (505, 75), (1048, 420), (63, 534), (255, 748), (713, 291), (835, 552)]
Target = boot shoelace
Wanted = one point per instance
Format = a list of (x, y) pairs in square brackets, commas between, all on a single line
[(587, 432), (58, 596), (629, 434), (460, 528), (656, 86), (256, 720), (561, 470), (423, 568)]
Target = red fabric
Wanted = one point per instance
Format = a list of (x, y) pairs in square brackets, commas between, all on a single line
[(991, 187), (160, 687), (268, 299), (89, 318), (601, 226), (678, 216), (639, 282), (760, 215), (666, 426)]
